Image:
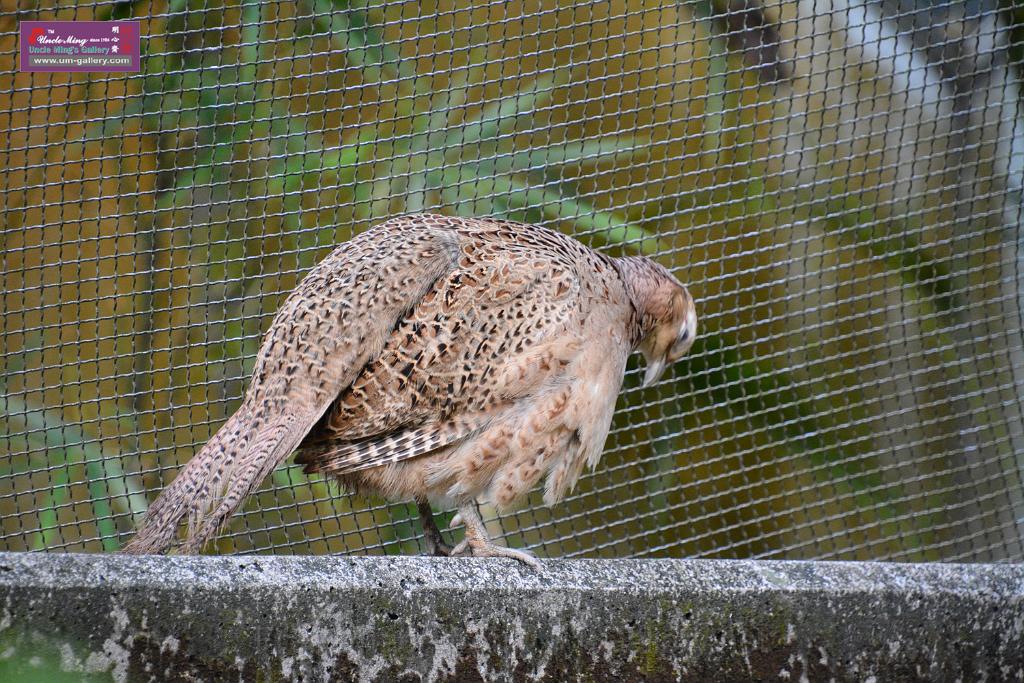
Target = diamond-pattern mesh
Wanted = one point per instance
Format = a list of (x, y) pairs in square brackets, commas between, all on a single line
[(838, 180)]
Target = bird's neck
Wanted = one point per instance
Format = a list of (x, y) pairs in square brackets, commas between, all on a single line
[(638, 278)]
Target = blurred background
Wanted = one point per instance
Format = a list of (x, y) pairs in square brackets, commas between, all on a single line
[(839, 181)]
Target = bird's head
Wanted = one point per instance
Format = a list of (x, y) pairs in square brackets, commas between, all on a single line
[(667, 317)]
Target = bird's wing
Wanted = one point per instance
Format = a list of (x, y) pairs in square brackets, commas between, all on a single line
[(340, 318), (353, 456), (485, 335)]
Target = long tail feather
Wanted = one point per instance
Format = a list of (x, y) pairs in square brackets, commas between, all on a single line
[(272, 445), (193, 491), (218, 480)]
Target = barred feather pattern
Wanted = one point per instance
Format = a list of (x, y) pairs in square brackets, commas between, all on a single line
[(352, 457)]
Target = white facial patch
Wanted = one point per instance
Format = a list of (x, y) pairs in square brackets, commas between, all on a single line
[(686, 335), (689, 323)]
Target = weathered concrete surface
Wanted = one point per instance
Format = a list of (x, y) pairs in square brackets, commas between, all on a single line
[(424, 619)]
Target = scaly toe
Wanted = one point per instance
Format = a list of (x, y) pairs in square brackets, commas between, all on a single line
[(495, 550)]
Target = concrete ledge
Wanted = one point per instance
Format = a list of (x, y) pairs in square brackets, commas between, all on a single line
[(423, 619)]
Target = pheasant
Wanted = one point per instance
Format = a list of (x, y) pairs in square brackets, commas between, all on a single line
[(441, 360)]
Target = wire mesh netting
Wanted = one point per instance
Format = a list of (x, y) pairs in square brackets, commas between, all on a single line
[(839, 181)]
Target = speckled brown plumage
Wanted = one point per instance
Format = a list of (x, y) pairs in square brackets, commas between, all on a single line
[(437, 359)]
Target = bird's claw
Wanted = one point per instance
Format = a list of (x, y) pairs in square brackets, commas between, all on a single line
[(476, 542), (478, 548)]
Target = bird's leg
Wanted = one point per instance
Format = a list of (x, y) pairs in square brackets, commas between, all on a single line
[(478, 544), (431, 534)]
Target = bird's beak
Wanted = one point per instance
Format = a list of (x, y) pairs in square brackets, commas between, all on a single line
[(654, 370)]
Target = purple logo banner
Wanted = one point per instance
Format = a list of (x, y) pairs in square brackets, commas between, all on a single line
[(80, 46)]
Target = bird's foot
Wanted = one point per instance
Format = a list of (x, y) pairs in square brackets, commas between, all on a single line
[(478, 544), (437, 547), (432, 538), (491, 549)]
